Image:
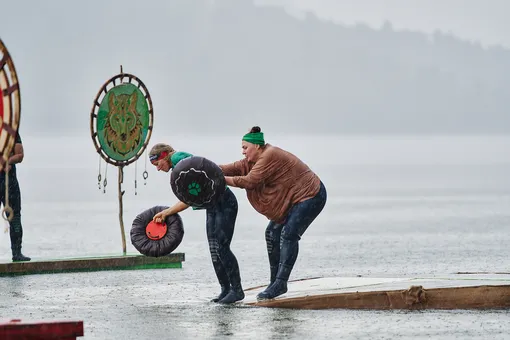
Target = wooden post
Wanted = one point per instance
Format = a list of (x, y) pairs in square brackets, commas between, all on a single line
[(121, 193)]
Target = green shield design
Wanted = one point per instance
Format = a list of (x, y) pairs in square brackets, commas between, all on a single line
[(122, 122)]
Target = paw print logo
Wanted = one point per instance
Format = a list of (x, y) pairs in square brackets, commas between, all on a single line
[(194, 189)]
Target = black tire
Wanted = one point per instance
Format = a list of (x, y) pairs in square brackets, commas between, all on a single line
[(197, 182), (156, 248)]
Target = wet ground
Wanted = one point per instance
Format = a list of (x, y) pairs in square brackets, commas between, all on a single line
[(391, 211)]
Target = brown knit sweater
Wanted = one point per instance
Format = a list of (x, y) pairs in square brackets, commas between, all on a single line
[(274, 183)]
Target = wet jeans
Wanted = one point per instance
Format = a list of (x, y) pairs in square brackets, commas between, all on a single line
[(282, 239), (220, 224)]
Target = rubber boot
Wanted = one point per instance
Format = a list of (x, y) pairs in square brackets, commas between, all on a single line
[(16, 233), (224, 292), (17, 256), (278, 287), (219, 270), (235, 294), (234, 276), (274, 271), (288, 254)]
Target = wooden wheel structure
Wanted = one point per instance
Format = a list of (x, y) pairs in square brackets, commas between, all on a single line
[(10, 113), (10, 104)]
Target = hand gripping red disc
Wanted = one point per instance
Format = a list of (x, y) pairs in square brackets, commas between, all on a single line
[(155, 231), (156, 239)]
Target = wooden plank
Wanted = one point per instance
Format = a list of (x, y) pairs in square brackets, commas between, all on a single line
[(93, 263), (40, 330), (449, 292), (481, 297)]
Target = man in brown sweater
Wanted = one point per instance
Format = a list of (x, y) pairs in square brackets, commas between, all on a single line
[(285, 190)]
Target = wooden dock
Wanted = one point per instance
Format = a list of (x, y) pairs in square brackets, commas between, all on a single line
[(92, 263), (455, 291)]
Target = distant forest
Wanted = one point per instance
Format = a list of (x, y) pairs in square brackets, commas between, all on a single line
[(312, 75), (230, 63)]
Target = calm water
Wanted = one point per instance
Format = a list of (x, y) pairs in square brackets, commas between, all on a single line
[(397, 206)]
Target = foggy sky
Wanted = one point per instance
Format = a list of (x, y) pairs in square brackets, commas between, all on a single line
[(213, 64)]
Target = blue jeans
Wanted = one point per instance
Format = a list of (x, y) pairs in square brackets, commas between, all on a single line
[(282, 238), (220, 222)]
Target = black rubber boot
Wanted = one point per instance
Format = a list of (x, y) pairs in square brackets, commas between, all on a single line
[(16, 233), (236, 289), (219, 270), (288, 254), (278, 287), (232, 267), (274, 271), (235, 294), (19, 257), (224, 292)]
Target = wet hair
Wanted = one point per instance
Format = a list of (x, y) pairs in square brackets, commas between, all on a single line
[(161, 147)]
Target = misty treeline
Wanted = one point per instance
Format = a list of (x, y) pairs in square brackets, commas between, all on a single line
[(237, 60)]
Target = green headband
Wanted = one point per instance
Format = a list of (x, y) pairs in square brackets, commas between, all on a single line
[(254, 138)]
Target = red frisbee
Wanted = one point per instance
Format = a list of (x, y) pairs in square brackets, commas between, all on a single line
[(155, 231)]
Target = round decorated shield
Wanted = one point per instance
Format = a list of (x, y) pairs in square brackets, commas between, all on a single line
[(122, 119), (10, 104)]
